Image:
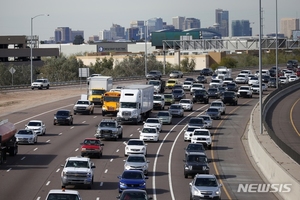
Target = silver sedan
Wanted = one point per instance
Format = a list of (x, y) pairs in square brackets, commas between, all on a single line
[(26, 137)]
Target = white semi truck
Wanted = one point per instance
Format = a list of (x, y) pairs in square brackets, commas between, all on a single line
[(97, 86), (223, 72), (136, 103)]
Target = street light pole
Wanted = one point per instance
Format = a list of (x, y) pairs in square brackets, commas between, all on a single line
[(31, 36), (276, 45), (146, 34)]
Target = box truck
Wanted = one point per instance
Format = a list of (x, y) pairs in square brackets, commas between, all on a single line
[(98, 85), (136, 103)]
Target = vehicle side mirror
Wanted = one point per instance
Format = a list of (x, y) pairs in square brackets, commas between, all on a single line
[(184, 160), (93, 166), (146, 177), (102, 144), (148, 161), (220, 185), (190, 183)]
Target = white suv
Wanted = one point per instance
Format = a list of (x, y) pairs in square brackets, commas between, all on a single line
[(220, 105), (202, 136), (40, 84)]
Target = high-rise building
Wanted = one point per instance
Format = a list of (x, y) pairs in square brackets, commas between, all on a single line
[(138, 23), (76, 33), (178, 22), (240, 28), (117, 32), (133, 34), (189, 23), (154, 24), (105, 35), (94, 38), (288, 25), (222, 18), (62, 35)]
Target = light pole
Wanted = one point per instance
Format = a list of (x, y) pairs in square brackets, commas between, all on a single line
[(276, 25), (146, 34), (31, 36)]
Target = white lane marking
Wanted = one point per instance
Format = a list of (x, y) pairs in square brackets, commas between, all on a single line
[(170, 158), (23, 158), (118, 150), (38, 198), (130, 135), (42, 114), (111, 160), (105, 171), (48, 141), (8, 170), (48, 183), (138, 129), (83, 122), (157, 153), (72, 127), (60, 134), (97, 198), (101, 184), (77, 149), (95, 117), (35, 149), (58, 170)]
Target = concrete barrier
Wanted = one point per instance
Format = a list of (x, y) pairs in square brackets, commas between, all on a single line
[(275, 165)]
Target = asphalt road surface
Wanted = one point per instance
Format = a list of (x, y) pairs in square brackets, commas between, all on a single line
[(36, 169)]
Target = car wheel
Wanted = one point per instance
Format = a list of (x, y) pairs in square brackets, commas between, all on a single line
[(47, 87), (75, 113), (185, 175), (209, 147), (92, 111)]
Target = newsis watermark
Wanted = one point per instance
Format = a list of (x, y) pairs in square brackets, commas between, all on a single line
[(264, 187)]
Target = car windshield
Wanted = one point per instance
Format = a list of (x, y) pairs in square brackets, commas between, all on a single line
[(62, 113), (34, 124), (187, 83), (149, 130), (132, 175), (136, 159), (156, 97), (199, 91), (212, 90), (128, 105), (215, 81), (154, 83), (25, 132), (241, 75), (196, 158), (108, 124), (171, 81), (177, 91), (185, 101), (153, 73), (163, 114), (91, 142), (212, 110), (134, 195), (168, 96), (196, 121), (216, 104), (175, 107), (228, 94), (204, 133), (61, 196), (205, 117), (77, 163), (135, 142), (152, 121), (195, 147), (83, 102), (208, 182), (244, 88), (39, 80)]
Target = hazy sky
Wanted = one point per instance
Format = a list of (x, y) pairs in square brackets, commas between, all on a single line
[(92, 16)]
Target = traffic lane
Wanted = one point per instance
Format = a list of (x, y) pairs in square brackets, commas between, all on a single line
[(179, 183), (279, 117), (161, 181), (232, 163)]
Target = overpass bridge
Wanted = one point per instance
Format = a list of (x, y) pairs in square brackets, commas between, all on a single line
[(230, 44)]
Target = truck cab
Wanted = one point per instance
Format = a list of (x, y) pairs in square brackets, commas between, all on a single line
[(97, 87)]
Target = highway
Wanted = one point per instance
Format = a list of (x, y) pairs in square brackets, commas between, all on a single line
[(36, 169)]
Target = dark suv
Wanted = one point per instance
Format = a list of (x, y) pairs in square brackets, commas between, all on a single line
[(206, 72), (154, 74), (200, 95), (195, 163), (292, 65), (230, 97), (63, 117)]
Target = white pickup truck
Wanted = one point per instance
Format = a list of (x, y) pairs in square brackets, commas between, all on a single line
[(84, 107)]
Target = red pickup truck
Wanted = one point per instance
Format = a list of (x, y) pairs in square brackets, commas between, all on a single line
[(92, 147)]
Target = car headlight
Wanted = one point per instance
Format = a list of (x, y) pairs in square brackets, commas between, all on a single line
[(142, 184), (83, 149), (122, 184), (218, 192), (197, 192)]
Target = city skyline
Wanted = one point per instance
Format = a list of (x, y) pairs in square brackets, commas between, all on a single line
[(92, 19)]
